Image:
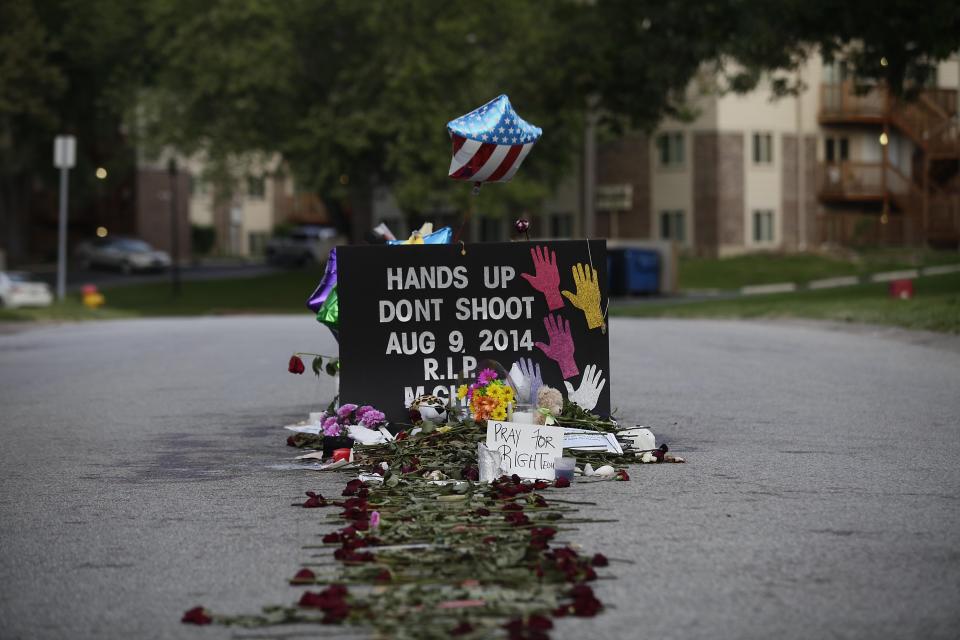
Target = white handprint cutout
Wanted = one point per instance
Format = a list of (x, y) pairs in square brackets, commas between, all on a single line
[(588, 393)]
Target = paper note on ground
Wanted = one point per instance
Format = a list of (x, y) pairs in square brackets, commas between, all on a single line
[(591, 441), (527, 450), (313, 429)]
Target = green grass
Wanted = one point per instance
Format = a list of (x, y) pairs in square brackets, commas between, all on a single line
[(276, 293), (935, 306), (70, 310), (284, 292), (764, 268)]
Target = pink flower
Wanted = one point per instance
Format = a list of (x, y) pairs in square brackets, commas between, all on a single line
[(374, 519), (346, 410), (330, 427), (486, 377), (373, 418), (362, 410)]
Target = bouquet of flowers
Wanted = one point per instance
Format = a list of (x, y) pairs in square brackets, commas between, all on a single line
[(335, 423), (488, 397)]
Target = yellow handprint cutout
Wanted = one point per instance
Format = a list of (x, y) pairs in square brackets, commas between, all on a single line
[(587, 298)]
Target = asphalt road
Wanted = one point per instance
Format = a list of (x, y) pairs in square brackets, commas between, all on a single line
[(142, 474)]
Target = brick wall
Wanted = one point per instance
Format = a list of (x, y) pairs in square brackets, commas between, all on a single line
[(790, 214), (718, 184), (153, 209), (627, 161)]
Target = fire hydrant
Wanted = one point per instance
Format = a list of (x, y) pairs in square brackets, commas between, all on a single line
[(92, 299)]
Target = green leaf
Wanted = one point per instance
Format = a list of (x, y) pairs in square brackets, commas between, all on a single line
[(333, 367)]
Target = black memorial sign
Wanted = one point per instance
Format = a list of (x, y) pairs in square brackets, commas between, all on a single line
[(417, 319)]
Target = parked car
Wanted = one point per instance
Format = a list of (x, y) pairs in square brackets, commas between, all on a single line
[(303, 245), (126, 254), (16, 290)]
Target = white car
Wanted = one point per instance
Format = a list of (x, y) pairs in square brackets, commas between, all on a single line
[(126, 254), (16, 290)]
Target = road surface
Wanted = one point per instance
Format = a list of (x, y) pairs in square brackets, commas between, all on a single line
[(143, 472)]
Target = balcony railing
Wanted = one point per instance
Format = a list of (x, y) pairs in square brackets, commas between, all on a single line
[(862, 181), (843, 102)]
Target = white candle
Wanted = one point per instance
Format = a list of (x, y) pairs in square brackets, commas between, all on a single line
[(523, 417)]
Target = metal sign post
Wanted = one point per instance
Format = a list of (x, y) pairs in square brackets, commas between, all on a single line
[(64, 158)]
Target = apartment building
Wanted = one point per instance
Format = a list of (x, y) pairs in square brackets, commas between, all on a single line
[(244, 209), (833, 164)]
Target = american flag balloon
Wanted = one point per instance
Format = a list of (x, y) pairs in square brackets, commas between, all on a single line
[(490, 143)]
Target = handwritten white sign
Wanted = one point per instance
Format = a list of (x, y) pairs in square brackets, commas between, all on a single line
[(527, 450)]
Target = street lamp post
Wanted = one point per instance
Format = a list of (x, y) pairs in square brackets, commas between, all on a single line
[(174, 228)]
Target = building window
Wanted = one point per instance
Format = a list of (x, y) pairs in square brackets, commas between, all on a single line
[(762, 225), (561, 225), (837, 149), (198, 186), (670, 148), (763, 148), (257, 242), (256, 187), (673, 226)]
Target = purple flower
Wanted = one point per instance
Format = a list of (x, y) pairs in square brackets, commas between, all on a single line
[(362, 410), (486, 377), (330, 427), (374, 519), (373, 418), (346, 410)]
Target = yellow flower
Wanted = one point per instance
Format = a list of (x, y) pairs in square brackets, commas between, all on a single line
[(499, 414), (462, 392), (444, 429)]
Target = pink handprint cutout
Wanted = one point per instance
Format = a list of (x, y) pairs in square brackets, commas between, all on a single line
[(561, 346), (546, 277)]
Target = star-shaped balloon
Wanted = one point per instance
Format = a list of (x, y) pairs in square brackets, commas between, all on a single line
[(490, 143)]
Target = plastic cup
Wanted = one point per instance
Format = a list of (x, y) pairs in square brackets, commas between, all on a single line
[(564, 467)]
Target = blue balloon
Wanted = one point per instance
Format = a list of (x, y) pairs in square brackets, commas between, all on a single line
[(441, 236), (490, 143)]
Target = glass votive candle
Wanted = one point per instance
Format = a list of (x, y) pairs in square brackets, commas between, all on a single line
[(564, 467), (523, 414)]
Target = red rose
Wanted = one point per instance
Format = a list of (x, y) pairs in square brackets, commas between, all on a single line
[(623, 475), (304, 576), (600, 560), (197, 615), (314, 500), (296, 365), (561, 483)]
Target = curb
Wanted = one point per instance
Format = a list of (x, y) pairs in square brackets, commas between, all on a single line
[(848, 281)]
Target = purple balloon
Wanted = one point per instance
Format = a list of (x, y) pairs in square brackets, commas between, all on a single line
[(327, 283)]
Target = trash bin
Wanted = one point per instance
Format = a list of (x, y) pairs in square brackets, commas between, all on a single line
[(616, 284), (641, 271)]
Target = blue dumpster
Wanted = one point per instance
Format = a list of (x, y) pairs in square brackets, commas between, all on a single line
[(633, 271), (641, 271)]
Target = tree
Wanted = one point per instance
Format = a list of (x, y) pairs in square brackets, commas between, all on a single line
[(66, 66), (353, 94)]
